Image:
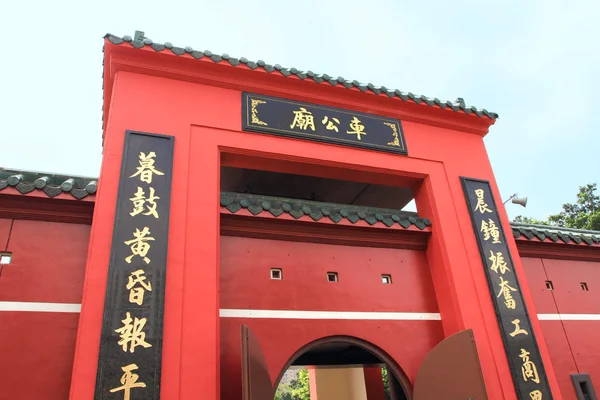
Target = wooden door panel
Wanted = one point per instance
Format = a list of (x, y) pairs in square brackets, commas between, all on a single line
[(256, 382), (451, 371)]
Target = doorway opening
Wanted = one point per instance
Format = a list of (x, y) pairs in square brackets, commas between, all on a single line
[(337, 368)]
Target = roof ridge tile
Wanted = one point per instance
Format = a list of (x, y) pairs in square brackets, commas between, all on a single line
[(378, 90)]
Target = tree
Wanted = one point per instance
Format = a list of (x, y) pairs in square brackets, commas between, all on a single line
[(583, 214), (527, 220), (386, 382), (300, 388), (283, 392)]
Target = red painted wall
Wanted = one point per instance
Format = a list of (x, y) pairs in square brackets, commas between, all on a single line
[(574, 345), (36, 348), (245, 283)]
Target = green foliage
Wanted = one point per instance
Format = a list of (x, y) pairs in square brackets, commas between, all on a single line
[(527, 220), (300, 390), (583, 214), (283, 393), (386, 382)]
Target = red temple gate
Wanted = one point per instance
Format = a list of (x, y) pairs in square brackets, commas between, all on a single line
[(288, 233)]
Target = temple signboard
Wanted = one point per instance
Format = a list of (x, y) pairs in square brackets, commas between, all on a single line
[(295, 119), (129, 365), (521, 346)]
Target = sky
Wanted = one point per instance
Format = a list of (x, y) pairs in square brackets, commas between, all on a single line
[(535, 63)]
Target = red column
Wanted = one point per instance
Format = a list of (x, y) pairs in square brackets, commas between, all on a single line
[(190, 356), (374, 383), (312, 382), (459, 285)]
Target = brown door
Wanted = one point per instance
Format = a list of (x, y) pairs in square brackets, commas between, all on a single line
[(451, 371), (256, 383)]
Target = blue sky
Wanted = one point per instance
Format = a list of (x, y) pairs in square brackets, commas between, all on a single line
[(535, 63)]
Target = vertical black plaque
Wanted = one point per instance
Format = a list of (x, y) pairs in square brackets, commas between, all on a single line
[(521, 347), (132, 329)]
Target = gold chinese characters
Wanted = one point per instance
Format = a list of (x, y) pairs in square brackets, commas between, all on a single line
[(144, 206), (136, 294), (511, 309), (528, 369), (481, 204), (129, 381), (142, 203), (535, 395), (356, 128), (498, 262), (139, 246), (518, 330), (490, 231), (505, 290), (303, 119), (132, 333), (331, 124), (146, 168)]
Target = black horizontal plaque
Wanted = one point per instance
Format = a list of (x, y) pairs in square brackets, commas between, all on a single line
[(521, 347), (324, 124), (129, 365)]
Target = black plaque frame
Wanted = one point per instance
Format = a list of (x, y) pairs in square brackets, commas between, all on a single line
[(505, 316), (378, 139), (111, 355)]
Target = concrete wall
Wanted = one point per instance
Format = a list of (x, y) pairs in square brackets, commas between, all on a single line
[(339, 384)]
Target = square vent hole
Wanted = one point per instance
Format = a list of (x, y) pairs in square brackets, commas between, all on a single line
[(276, 273), (5, 258)]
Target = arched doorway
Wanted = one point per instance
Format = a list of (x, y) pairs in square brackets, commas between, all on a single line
[(346, 367), (343, 367), (440, 375)]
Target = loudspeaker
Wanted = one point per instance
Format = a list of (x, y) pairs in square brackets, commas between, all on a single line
[(522, 201)]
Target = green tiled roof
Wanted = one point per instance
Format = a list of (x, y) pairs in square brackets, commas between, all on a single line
[(51, 184), (80, 187), (555, 234), (276, 206), (141, 42)]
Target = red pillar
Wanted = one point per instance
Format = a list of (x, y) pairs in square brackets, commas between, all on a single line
[(312, 382), (374, 383), (190, 356)]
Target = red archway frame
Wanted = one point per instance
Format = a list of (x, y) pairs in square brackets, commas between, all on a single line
[(188, 341), (393, 366), (200, 105)]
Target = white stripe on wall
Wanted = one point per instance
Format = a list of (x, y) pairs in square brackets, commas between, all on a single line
[(569, 317), (290, 314), (39, 307)]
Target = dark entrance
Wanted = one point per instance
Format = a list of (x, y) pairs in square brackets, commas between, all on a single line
[(348, 352), (451, 370), (329, 352)]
